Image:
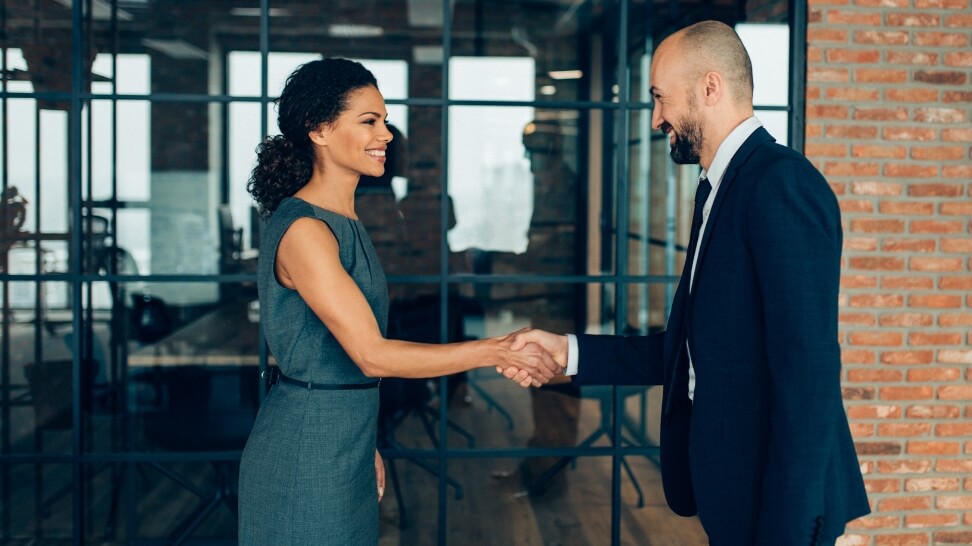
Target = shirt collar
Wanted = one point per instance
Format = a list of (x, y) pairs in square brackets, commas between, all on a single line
[(728, 149)]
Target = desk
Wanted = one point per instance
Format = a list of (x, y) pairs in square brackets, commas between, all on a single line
[(222, 337)]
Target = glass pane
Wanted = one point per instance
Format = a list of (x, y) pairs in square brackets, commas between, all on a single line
[(409, 512), (37, 505), (518, 193), (545, 50), (152, 47), (40, 50), (769, 50), (401, 43), (777, 123), (660, 200)]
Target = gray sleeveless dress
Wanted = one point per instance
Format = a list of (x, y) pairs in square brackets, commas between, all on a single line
[(307, 476)]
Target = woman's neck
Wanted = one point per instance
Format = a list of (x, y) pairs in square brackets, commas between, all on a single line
[(329, 194)]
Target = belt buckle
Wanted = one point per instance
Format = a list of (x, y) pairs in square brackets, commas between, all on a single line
[(271, 375)]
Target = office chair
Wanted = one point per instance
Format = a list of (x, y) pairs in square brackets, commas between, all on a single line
[(200, 409)]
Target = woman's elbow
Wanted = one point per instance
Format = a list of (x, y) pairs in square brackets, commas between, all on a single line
[(370, 362)]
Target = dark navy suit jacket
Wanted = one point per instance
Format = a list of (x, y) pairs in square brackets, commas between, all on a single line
[(764, 453)]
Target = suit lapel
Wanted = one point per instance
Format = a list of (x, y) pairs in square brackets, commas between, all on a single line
[(755, 140)]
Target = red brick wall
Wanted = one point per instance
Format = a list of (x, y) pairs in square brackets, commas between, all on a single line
[(889, 98)]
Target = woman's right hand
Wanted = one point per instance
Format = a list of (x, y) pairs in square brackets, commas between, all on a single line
[(528, 364)]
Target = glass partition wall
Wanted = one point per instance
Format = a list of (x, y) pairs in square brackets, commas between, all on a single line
[(525, 187)]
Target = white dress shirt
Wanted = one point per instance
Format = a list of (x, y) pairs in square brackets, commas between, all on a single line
[(714, 173)]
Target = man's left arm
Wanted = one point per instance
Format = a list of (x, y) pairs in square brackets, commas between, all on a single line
[(795, 234)]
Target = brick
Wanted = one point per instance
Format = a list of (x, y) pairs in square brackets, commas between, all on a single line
[(911, 94), (911, 19), (939, 115), (957, 96), (958, 58), (870, 375), (957, 135), (932, 263), (857, 281), (957, 356), (861, 430), (941, 77), (948, 320), (920, 134), (853, 540), (926, 58), (852, 168), (899, 504), (881, 37), (925, 411), (877, 263), (919, 208), (954, 503), (945, 538), (926, 375), (874, 485), (846, 55), (860, 243), (841, 17), (907, 357), (826, 111), (856, 94), (954, 392), (857, 393), (954, 429), (908, 245), (877, 150), (934, 338), (955, 466), (910, 170), (901, 540), (877, 300), (876, 188), (932, 484), (941, 39), (958, 208), (955, 283), (877, 225), (857, 319), (930, 520), (904, 429), (937, 226), (957, 171), (820, 149), (880, 75), (963, 20), (875, 522), (872, 411), (907, 393), (935, 189), (824, 34), (906, 320), (907, 283), (827, 74), (942, 4), (945, 153), (856, 356), (939, 301)]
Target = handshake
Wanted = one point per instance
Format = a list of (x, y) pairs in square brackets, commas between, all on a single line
[(531, 357)]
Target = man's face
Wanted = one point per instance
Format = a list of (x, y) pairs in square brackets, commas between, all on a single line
[(676, 111)]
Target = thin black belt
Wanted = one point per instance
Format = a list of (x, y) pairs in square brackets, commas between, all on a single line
[(274, 376)]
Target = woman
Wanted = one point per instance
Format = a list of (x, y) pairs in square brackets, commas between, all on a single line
[(310, 468)]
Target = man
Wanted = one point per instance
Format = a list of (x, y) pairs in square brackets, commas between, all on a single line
[(754, 438)]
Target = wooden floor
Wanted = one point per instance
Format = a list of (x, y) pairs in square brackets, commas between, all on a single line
[(494, 508)]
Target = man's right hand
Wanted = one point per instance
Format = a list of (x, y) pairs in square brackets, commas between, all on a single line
[(554, 344)]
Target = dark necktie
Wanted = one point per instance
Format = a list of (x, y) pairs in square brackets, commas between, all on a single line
[(701, 196)]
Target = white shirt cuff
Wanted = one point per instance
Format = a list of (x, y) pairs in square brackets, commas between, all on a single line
[(572, 356)]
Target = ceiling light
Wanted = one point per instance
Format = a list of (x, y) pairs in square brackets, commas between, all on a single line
[(177, 49), (566, 74), (255, 12), (355, 31)]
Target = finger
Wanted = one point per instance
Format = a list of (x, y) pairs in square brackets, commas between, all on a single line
[(520, 338), (511, 372)]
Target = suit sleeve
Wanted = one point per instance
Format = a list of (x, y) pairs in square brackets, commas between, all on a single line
[(620, 360), (795, 238)]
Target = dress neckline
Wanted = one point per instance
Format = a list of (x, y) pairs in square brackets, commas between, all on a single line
[(324, 209)]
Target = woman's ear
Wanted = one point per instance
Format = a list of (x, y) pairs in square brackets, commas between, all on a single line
[(319, 136)]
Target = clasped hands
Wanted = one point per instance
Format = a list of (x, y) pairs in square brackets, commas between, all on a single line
[(532, 357)]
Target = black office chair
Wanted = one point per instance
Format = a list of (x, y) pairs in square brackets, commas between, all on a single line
[(201, 409)]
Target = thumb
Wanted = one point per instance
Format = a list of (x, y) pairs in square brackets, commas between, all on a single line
[(520, 339)]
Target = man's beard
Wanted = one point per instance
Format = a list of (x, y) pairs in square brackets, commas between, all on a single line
[(688, 143)]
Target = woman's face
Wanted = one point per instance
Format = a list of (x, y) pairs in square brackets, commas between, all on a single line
[(357, 140)]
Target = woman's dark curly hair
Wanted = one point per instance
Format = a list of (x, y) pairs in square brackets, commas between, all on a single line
[(316, 93)]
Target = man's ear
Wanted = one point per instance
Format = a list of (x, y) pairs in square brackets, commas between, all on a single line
[(319, 136), (714, 87)]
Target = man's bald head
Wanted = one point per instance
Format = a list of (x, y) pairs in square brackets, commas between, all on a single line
[(711, 46)]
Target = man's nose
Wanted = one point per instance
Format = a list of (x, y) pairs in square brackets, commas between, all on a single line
[(656, 118)]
